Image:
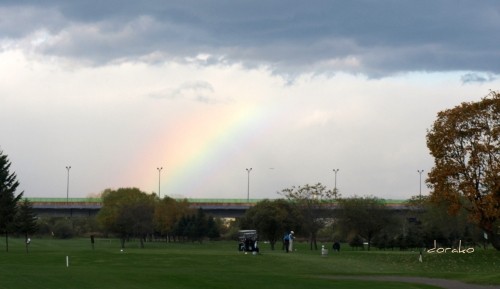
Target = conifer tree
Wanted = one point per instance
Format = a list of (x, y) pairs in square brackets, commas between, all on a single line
[(8, 199), (26, 221)]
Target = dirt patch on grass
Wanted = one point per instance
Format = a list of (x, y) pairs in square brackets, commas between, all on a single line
[(443, 283)]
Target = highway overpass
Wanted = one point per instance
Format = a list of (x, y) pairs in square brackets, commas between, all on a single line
[(227, 208)]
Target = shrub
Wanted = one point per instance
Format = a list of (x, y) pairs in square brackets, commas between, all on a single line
[(63, 229)]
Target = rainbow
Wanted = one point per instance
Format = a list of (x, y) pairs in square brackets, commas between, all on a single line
[(198, 147)]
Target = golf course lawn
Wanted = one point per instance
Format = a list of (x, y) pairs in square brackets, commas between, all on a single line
[(220, 265)]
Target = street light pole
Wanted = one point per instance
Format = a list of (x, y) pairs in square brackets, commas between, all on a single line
[(420, 182), (335, 187), (67, 185), (159, 180), (248, 185)]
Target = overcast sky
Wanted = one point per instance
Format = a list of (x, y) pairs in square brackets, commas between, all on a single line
[(207, 89)]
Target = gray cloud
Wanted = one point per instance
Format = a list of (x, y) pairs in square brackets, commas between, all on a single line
[(201, 91), (477, 77), (372, 37)]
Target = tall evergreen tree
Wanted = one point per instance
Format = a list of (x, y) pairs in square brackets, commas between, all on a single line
[(200, 223), (8, 199), (26, 221), (213, 231)]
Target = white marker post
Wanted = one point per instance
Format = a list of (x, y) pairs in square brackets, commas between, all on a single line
[(67, 261)]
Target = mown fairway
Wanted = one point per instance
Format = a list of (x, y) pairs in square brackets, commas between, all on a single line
[(220, 265)]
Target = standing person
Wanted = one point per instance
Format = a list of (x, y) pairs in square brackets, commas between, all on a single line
[(286, 241), (290, 238), (336, 246)]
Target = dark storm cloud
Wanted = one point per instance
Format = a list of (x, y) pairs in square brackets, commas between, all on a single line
[(372, 37)]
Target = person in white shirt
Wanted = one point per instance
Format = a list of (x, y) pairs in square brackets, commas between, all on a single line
[(290, 237)]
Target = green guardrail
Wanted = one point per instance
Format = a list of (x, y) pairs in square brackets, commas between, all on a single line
[(233, 201), (64, 200), (98, 200), (190, 200)]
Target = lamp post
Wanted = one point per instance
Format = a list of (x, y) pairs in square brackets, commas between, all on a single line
[(159, 180), (67, 185), (420, 182), (335, 187), (248, 184)]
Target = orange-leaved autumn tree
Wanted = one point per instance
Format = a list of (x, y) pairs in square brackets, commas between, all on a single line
[(168, 213), (465, 144)]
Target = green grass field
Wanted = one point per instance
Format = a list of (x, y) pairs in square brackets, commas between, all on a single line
[(220, 265)]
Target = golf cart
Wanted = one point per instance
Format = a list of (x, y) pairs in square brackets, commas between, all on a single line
[(248, 241)]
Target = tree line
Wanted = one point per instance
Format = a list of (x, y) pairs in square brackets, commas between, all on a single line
[(362, 222), (131, 213)]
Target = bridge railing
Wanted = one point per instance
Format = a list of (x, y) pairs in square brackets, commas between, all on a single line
[(194, 201), (64, 200), (99, 200)]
